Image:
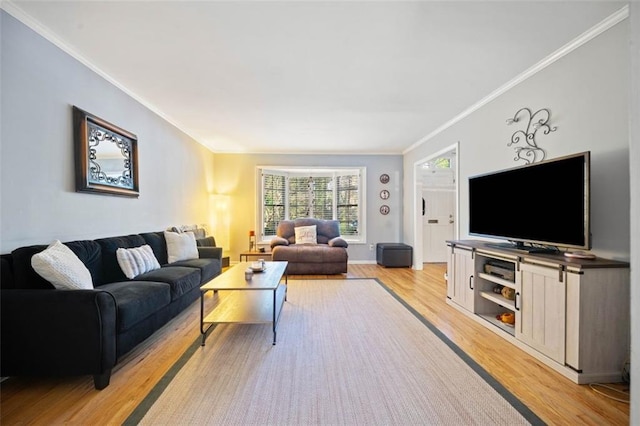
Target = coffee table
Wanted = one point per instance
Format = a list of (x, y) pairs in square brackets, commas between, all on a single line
[(256, 301)]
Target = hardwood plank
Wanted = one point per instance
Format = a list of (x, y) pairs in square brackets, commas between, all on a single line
[(74, 400)]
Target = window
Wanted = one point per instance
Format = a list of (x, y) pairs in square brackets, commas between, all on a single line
[(291, 193)]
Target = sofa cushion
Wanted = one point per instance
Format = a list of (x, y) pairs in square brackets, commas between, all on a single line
[(90, 253), (158, 245), (137, 260), (209, 268), (24, 275), (62, 268), (181, 279), (111, 271), (209, 241), (136, 300), (6, 272), (180, 246), (306, 234)]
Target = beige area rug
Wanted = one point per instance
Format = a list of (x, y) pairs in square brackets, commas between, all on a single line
[(348, 352)]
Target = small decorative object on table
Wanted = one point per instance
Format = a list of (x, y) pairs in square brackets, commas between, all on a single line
[(248, 274), (258, 266), (252, 240)]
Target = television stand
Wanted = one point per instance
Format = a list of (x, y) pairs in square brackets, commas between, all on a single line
[(571, 314)]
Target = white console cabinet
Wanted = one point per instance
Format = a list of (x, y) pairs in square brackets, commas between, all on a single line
[(571, 314)]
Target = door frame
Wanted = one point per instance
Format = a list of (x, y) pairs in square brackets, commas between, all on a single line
[(418, 242)]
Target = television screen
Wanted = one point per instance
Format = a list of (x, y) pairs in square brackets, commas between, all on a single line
[(540, 204)]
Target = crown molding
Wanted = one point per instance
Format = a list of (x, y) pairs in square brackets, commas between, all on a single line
[(585, 37), (10, 7)]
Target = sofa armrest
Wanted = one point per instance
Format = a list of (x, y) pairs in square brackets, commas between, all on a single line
[(337, 242), (58, 332), (210, 253), (279, 241)]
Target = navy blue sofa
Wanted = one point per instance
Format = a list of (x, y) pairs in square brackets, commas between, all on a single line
[(49, 332)]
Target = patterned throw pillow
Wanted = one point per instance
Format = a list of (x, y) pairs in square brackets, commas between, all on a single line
[(181, 246), (136, 261), (306, 234), (62, 268)]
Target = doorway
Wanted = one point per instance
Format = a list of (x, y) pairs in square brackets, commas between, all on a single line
[(437, 223), (436, 218)]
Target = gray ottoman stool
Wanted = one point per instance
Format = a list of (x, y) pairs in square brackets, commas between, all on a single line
[(394, 255)]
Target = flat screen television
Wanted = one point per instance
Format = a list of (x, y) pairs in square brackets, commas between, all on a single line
[(537, 207)]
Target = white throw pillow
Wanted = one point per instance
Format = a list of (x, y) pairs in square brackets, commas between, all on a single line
[(136, 261), (62, 268), (181, 246), (306, 234)]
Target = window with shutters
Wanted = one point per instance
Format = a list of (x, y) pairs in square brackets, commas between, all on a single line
[(321, 193)]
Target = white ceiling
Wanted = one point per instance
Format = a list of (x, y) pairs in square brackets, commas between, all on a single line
[(311, 76)]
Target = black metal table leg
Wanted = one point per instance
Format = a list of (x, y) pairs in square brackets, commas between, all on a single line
[(274, 315)]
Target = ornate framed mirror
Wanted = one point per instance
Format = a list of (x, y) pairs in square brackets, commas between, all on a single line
[(106, 156)]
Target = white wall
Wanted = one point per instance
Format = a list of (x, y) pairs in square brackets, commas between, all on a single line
[(587, 92), (634, 161), (235, 175), (39, 85)]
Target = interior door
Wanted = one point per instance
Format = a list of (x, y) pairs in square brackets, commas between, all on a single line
[(437, 224)]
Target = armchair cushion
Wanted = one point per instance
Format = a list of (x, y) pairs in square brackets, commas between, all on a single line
[(306, 235)]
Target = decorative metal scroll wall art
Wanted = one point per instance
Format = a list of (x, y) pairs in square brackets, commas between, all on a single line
[(535, 122), (106, 156)]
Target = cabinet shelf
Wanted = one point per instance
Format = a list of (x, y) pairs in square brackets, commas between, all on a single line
[(499, 300), (497, 280), (509, 329)]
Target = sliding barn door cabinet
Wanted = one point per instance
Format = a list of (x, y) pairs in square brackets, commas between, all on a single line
[(571, 314)]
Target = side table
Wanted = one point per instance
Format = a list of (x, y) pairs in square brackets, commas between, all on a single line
[(255, 254)]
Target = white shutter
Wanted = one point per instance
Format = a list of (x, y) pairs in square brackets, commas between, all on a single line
[(348, 203), (273, 202)]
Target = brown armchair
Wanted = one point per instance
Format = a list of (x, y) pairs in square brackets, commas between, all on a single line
[(327, 256)]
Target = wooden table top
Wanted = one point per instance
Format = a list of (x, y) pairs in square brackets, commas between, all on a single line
[(233, 278)]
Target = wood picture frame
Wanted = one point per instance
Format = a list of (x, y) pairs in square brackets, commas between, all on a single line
[(106, 156)]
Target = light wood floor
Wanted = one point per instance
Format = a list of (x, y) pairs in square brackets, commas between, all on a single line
[(552, 397)]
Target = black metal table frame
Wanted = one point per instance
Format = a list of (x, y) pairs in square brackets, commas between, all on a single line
[(276, 317)]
